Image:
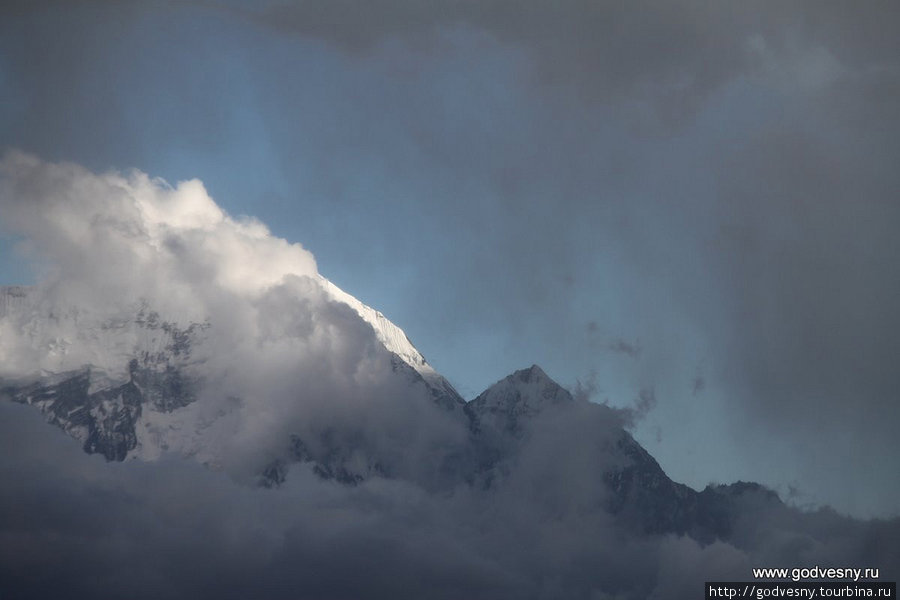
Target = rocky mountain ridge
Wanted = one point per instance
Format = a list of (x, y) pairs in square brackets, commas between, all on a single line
[(504, 438)]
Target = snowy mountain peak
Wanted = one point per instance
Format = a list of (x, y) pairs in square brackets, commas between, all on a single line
[(520, 396), (527, 390), (396, 341), (533, 373), (393, 338)]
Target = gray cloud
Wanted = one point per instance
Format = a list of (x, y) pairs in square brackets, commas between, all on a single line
[(672, 57), (176, 530), (606, 50), (807, 254)]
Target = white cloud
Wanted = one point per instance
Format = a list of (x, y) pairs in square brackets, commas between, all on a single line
[(279, 353), (138, 236)]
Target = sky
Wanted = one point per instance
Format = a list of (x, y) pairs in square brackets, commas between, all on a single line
[(687, 209)]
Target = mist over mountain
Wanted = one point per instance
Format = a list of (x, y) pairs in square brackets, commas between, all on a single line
[(191, 410)]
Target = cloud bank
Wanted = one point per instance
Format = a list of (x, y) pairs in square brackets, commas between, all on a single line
[(73, 524)]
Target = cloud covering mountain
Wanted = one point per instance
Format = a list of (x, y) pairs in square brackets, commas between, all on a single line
[(379, 481), (266, 329)]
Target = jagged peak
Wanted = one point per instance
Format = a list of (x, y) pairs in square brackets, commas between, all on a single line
[(532, 373), (532, 377), (526, 391)]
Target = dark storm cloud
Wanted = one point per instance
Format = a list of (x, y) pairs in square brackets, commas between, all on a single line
[(73, 72), (607, 48), (670, 55), (809, 252), (805, 280)]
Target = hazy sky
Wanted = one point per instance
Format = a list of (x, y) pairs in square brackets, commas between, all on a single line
[(689, 208)]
